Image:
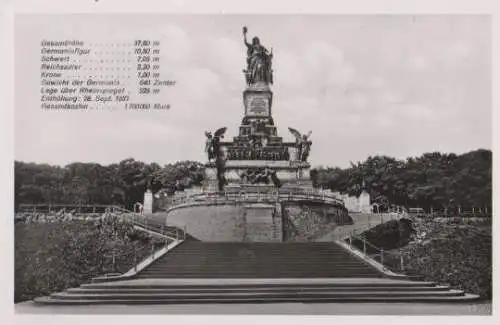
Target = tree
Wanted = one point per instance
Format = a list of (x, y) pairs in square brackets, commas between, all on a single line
[(433, 179)]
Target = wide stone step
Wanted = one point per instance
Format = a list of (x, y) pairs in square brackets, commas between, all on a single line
[(228, 271), (275, 265), (223, 267), (252, 261), (242, 300), (262, 289), (216, 275), (327, 246), (202, 283), (249, 273), (193, 296), (261, 245), (246, 254), (254, 264), (297, 257)]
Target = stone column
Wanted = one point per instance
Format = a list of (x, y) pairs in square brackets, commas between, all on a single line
[(148, 202)]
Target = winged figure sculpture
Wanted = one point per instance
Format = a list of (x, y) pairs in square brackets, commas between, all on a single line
[(212, 142), (302, 143)]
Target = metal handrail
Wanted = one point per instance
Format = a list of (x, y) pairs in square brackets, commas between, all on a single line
[(142, 221), (135, 251), (380, 250), (127, 253)]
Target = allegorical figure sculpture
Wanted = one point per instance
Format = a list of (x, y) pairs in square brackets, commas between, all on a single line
[(259, 61), (212, 147), (208, 146), (260, 175), (303, 144)]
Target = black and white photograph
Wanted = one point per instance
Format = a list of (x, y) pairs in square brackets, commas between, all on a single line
[(252, 164)]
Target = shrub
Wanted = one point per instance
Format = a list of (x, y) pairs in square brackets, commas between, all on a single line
[(459, 256), (390, 235), (453, 254)]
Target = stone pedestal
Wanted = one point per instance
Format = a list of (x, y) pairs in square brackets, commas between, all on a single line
[(257, 99)]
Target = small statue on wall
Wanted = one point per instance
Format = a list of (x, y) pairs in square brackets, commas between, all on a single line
[(274, 178), (302, 143)]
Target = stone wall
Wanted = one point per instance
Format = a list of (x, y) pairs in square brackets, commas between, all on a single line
[(210, 223), (359, 203), (229, 223), (308, 221), (258, 222)]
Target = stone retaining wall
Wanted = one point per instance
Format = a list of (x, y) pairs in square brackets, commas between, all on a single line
[(257, 221)]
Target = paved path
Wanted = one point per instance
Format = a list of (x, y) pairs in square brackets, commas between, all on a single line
[(267, 309), (362, 222)]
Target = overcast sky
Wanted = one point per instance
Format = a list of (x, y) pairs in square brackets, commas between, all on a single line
[(364, 84)]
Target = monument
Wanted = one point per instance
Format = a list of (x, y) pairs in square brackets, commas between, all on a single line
[(257, 158), (257, 186)]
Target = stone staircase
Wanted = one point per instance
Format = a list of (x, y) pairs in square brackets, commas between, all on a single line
[(209, 272), (194, 259)]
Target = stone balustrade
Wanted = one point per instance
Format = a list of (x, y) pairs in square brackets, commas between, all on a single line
[(242, 197)]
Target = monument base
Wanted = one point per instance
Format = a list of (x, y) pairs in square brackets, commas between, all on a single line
[(287, 175)]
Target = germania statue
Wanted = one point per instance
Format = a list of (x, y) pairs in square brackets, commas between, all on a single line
[(259, 61)]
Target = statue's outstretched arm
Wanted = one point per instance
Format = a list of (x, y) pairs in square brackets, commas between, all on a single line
[(245, 30)]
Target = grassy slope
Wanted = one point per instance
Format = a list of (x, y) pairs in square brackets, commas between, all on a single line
[(51, 257)]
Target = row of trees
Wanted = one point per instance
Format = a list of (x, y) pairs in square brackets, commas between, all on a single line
[(432, 180), (90, 183)]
